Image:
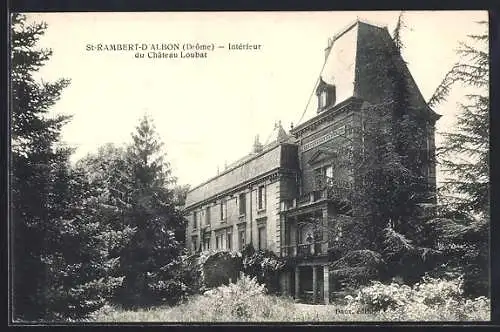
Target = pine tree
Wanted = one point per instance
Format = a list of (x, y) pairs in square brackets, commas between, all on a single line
[(34, 153), (463, 230), (149, 262), (61, 264), (464, 155)]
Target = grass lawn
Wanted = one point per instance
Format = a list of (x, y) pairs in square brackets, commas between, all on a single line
[(286, 312), (247, 301)]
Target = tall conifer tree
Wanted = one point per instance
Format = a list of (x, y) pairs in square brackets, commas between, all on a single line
[(463, 230), (61, 262), (151, 257)]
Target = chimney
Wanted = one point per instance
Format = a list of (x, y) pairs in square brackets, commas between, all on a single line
[(257, 146)]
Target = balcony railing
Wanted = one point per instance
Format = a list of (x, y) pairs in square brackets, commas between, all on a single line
[(305, 198), (324, 182), (303, 249), (330, 192), (338, 193)]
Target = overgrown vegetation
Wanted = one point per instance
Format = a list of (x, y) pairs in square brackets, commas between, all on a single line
[(429, 299), (210, 269), (264, 265), (247, 301)]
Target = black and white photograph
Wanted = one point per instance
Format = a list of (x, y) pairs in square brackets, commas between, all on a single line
[(249, 167)]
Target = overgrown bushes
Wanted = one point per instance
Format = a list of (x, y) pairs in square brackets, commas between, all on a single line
[(243, 300), (246, 300), (429, 299), (357, 268), (264, 265), (221, 268)]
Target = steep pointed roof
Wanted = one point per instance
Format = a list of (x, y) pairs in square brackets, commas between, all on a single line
[(361, 61)]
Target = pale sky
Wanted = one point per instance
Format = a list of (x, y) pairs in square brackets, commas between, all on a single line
[(208, 111)]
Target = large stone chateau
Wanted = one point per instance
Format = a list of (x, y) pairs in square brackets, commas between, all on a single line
[(273, 197)]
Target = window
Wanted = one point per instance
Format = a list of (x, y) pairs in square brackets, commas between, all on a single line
[(229, 240), (207, 215), (222, 210), (323, 176), (262, 198), (329, 172), (243, 204), (206, 242), (262, 238), (322, 99), (194, 241), (195, 219), (241, 239), (218, 241)]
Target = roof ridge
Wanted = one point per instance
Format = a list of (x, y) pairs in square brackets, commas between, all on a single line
[(353, 23), (372, 23), (344, 30)]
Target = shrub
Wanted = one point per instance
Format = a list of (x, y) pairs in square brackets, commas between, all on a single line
[(465, 247), (429, 299), (264, 265), (244, 300), (235, 297), (208, 269), (356, 268), (192, 273), (378, 296), (221, 268)]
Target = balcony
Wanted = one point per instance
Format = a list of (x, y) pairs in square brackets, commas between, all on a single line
[(333, 188), (304, 249), (325, 189)]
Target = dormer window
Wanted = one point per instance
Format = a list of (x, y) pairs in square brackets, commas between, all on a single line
[(326, 95), (322, 99)]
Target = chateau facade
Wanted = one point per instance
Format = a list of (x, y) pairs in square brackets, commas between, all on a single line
[(290, 196)]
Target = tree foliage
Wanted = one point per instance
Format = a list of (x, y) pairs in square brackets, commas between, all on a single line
[(462, 231), (264, 265), (398, 29), (464, 155), (146, 188), (63, 266)]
